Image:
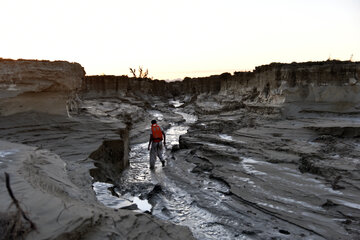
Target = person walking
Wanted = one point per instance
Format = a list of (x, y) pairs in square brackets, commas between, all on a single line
[(157, 136)]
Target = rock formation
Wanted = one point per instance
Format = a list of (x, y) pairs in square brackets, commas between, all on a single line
[(330, 81), (32, 85), (111, 158)]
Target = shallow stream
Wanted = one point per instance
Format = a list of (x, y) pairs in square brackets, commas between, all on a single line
[(266, 199), (170, 200)]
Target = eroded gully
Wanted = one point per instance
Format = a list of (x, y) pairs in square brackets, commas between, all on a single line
[(280, 202), (162, 193)]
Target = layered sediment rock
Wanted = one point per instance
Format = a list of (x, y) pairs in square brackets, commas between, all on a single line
[(117, 86), (111, 158), (330, 81), (32, 85)]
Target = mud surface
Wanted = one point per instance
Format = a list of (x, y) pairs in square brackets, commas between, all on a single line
[(50, 171), (268, 154), (239, 172), (248, 173)]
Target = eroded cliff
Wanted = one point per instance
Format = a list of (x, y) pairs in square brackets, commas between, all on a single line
[(276, 83), (330, 81), (32, 85)]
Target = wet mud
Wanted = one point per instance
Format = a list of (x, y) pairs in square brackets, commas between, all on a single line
[(268, 154), (243, 174)]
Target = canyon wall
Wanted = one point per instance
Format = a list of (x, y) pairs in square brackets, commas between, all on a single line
[(112, 86), (330, 81), (32, 85), (45, 86), (276, 83)]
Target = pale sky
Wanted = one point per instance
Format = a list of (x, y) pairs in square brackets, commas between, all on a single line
[(174, 39)]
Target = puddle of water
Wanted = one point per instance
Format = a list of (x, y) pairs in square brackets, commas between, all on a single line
[(226, 137), (176, 103), (5, 153), (249, 168), (143, 205), (104, 196), (158, 115), (189, 118), (172, 135)]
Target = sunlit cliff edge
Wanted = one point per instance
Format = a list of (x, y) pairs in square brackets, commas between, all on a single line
[(329, 81)]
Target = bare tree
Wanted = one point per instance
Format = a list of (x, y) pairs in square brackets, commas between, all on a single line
[(133, 71), (146, 73), (142, 73)]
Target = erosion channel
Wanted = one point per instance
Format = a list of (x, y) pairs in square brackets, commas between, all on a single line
[(268, 154), (238, 174), (162, 192)]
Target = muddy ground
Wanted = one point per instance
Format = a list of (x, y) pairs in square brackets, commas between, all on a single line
[(250, 171), (238, 171)]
